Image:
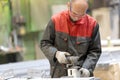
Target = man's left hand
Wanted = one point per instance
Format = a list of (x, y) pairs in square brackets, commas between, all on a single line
[(84, 72)]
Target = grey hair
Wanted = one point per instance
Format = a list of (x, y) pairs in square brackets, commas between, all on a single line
[(74, 0)]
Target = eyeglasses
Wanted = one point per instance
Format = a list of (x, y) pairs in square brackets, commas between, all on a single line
[(74, 14)]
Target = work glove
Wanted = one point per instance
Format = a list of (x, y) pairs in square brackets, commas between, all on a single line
[(73, 59), (84, 72), (61, 57)]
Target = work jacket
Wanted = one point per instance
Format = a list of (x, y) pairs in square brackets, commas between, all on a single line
[(80, 38)]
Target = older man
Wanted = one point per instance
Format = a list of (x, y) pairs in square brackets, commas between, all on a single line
[(72, 32)]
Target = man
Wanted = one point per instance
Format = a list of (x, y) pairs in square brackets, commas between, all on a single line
[(72, 32)]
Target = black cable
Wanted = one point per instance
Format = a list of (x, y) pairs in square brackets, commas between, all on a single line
[(54, 69)]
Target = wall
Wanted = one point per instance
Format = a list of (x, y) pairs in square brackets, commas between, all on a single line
[(102, 15)]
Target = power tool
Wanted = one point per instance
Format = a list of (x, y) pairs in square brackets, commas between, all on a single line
[(72, 68)]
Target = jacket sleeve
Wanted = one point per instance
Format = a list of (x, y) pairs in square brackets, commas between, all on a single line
[(47, 42), (94, 50)]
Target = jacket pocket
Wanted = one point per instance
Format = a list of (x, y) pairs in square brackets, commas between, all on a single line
[(82, 44), (61, 41)]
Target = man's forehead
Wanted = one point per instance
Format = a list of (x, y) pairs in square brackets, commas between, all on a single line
[(79, 7)]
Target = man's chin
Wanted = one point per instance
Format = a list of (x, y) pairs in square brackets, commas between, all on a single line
[(75, 20)]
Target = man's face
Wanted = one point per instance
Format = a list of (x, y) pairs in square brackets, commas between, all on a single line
[(76, 12), (76, 15)]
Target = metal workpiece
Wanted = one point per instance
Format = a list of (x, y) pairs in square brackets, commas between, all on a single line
[(26, 69), (91, 78)]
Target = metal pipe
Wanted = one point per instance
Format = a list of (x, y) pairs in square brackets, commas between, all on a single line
[(119, 17)]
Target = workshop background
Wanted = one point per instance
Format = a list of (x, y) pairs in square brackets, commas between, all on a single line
[(22, 23)]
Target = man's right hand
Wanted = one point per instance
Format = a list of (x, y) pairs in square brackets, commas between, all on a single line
[(61, 57)]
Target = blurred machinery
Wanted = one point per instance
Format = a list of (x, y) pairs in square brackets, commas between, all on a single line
[(18, 24), (11, 45)]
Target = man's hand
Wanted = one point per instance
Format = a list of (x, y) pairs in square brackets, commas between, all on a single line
[(84, 72), (61, 57), (73, 59)]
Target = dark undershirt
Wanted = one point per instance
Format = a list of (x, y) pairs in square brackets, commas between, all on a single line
[(72, 20)]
